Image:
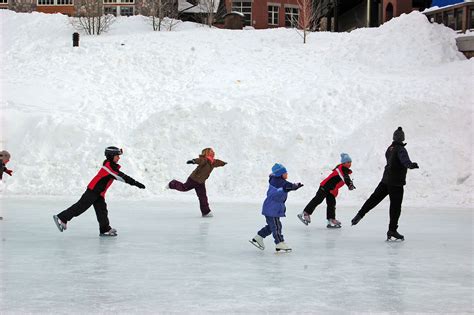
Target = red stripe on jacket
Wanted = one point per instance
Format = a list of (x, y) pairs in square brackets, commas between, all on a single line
[(334, 179), (97, 183)]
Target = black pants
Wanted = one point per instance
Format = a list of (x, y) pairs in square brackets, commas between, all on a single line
[(320, 196), (396, 197), (88, 199)]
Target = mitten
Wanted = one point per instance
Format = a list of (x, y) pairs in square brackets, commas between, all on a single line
[(298, 186), (190, 162), (413, 165), (9, 172)]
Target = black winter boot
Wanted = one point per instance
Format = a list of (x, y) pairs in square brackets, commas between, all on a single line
[(356, 219)]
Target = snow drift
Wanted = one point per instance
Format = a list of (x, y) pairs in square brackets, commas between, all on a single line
[(256, 97)]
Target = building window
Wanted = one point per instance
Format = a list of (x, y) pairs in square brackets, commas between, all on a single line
[(54, 2), (273, 15), (110, 10), (471, 18), (119, 1), (245, 8), (3, 1), (126, 11), (118, 10), (458, 15), (291, 17), (451, 23)]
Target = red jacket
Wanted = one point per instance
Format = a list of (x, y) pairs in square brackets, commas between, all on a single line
[(337, 179), (109, 172)]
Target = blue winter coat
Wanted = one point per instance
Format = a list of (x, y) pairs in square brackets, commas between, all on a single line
[(274, 204)]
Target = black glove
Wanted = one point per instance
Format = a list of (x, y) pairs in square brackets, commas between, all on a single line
[(298, 186), (413, 165), (351, 186), (190, 162), (139, 185)]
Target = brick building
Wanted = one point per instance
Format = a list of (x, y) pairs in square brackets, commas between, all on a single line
[(263, 14), (73, 7)]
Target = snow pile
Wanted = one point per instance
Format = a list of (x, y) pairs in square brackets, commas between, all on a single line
[(256, 97)]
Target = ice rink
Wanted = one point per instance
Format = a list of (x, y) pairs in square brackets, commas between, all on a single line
[(169, 259)]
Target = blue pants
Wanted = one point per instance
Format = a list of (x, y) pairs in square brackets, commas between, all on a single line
[(273, 227)]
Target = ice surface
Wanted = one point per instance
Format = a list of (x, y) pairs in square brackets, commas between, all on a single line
[(169, 259)]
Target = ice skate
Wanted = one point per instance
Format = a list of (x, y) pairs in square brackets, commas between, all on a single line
[(257, 241), (356, 219), (397, 236), (60, 224), (333, 224), (304, 217), (282, 247), (111, 232), (208, 215)]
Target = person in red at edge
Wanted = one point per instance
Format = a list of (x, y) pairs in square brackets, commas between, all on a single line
[(4, 159), (95, 194), (328, 190), (197, 180)]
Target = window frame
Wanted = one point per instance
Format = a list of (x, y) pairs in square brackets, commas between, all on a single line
[(273, 16), (247, 15), (293, 23), (54, 3)]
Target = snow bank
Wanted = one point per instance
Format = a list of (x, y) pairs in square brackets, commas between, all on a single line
[(256, 97)]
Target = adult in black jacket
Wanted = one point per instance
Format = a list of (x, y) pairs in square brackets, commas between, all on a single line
[(392, 183)]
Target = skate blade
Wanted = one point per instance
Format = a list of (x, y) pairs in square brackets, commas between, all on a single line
[(333, 226), (394, 240), (108, 235), (59, 226), (256, 245), (302, 219), (279, 250)]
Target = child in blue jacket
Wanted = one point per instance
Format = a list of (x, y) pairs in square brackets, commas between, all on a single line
[(274, 208)]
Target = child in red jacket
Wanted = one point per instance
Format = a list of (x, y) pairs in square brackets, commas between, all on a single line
[(95, 194), (328, 190)]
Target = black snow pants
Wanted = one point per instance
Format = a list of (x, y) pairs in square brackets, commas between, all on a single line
[(321, 194), (396, 197), (89, 198)]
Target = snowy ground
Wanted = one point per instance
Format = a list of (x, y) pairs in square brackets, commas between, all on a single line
[(257, 97), (169, 259)]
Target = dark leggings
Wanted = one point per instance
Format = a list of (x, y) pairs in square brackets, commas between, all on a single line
[(89, 198), (198, 187), (395, 194), (320, 196)]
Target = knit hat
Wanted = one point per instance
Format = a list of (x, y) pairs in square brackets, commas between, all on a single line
[(4, 155), (399, 135), (345, 158), (278, 170)]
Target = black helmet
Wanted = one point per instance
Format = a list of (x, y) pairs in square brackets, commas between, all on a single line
[(110, 152)]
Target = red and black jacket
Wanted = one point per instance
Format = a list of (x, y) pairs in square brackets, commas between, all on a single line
[(337, 179), (109, 172), (3, 169)]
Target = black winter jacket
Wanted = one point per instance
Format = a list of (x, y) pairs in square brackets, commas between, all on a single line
[(397, 163)]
